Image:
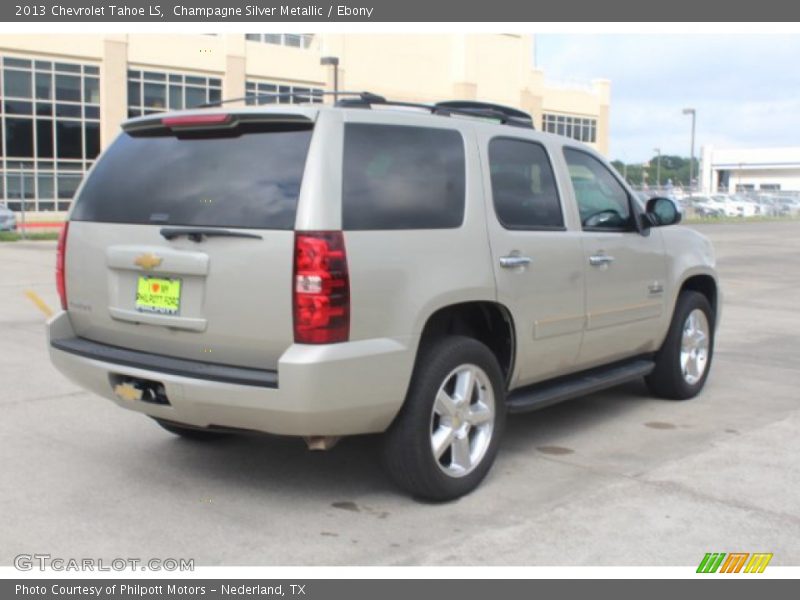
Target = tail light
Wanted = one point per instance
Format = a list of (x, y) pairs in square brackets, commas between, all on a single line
[(61, 253), (321, 295), (205, 120)]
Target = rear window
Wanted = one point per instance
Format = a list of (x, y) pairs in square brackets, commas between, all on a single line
[(248, 179), (398, 177)]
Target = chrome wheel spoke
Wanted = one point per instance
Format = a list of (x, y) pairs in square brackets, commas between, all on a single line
[(465, 386), (684, 361), (441, 440), (461, 453), (691, 368), (701, 340), (444, 404)]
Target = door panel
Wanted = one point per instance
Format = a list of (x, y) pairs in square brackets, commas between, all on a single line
[(538, 264), (624, 297), (625, 270), (545, 297)]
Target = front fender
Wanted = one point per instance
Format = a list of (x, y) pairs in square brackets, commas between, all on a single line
[(689, 254)]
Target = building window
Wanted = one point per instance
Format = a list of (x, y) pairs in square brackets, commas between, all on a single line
[(49, 130), (264, 92), (293, 40), (157, 91), (578, 128)]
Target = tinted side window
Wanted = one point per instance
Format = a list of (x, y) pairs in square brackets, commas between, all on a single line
[(523, 185), (398, 177), (247, 180), (602, 201)]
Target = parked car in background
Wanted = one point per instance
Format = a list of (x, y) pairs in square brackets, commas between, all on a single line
[(736, 205), (8, 221), (788, 206), (768, 205), (745, 206), (706, 207)]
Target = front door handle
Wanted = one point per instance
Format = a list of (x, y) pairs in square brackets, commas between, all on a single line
[(598, 260), (513, 261)]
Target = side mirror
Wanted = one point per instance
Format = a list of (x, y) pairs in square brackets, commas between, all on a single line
[(662, 211)]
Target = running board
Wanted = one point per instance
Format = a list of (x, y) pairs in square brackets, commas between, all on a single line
[(580, 384)]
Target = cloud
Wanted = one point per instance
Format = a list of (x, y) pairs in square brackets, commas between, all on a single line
[(744, 87)]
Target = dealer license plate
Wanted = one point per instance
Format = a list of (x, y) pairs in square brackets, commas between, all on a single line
[(158, 295)]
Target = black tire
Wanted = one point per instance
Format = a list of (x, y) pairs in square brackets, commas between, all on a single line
[(667, 380), (191, 433), (408, 455)]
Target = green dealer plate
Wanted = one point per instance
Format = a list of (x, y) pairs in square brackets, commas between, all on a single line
[(157, 295)]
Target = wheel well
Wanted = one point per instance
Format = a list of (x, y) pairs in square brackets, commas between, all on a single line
[(487, 322), (704, 284)]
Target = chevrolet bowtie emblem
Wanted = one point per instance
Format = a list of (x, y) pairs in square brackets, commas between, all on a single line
[(147, 261), (128, 392)]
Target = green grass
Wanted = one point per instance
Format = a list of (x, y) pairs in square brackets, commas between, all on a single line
[(15, 236)]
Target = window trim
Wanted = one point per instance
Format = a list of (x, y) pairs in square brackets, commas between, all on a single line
[(559, 193), (632, 206)]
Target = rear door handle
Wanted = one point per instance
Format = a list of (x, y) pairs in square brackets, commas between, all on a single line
[(512, 261), (598, 260)]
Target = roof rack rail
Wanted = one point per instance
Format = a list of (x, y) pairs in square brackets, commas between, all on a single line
[(469, 108), (514, 115)]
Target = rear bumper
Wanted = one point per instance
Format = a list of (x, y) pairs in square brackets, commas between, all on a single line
[(337, 389)]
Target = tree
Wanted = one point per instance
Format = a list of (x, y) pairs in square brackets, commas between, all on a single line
[(673, 167)]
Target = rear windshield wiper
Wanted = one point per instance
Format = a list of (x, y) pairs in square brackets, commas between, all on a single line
[(196, 234)]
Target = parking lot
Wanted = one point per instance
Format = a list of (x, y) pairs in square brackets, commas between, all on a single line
[(615, 478)]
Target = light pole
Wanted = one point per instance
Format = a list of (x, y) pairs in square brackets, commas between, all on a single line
[(658, 166), (693, 112), (22, 198), (334, 62)]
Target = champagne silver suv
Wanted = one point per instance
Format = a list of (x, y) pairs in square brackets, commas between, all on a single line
[(418, 271)]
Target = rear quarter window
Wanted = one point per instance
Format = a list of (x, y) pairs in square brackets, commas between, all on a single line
[(248, 178), (400, 177)]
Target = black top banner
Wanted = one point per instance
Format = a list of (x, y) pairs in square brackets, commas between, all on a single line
[(284, 11)]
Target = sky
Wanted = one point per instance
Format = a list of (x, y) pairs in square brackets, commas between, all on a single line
[(745, 88)]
